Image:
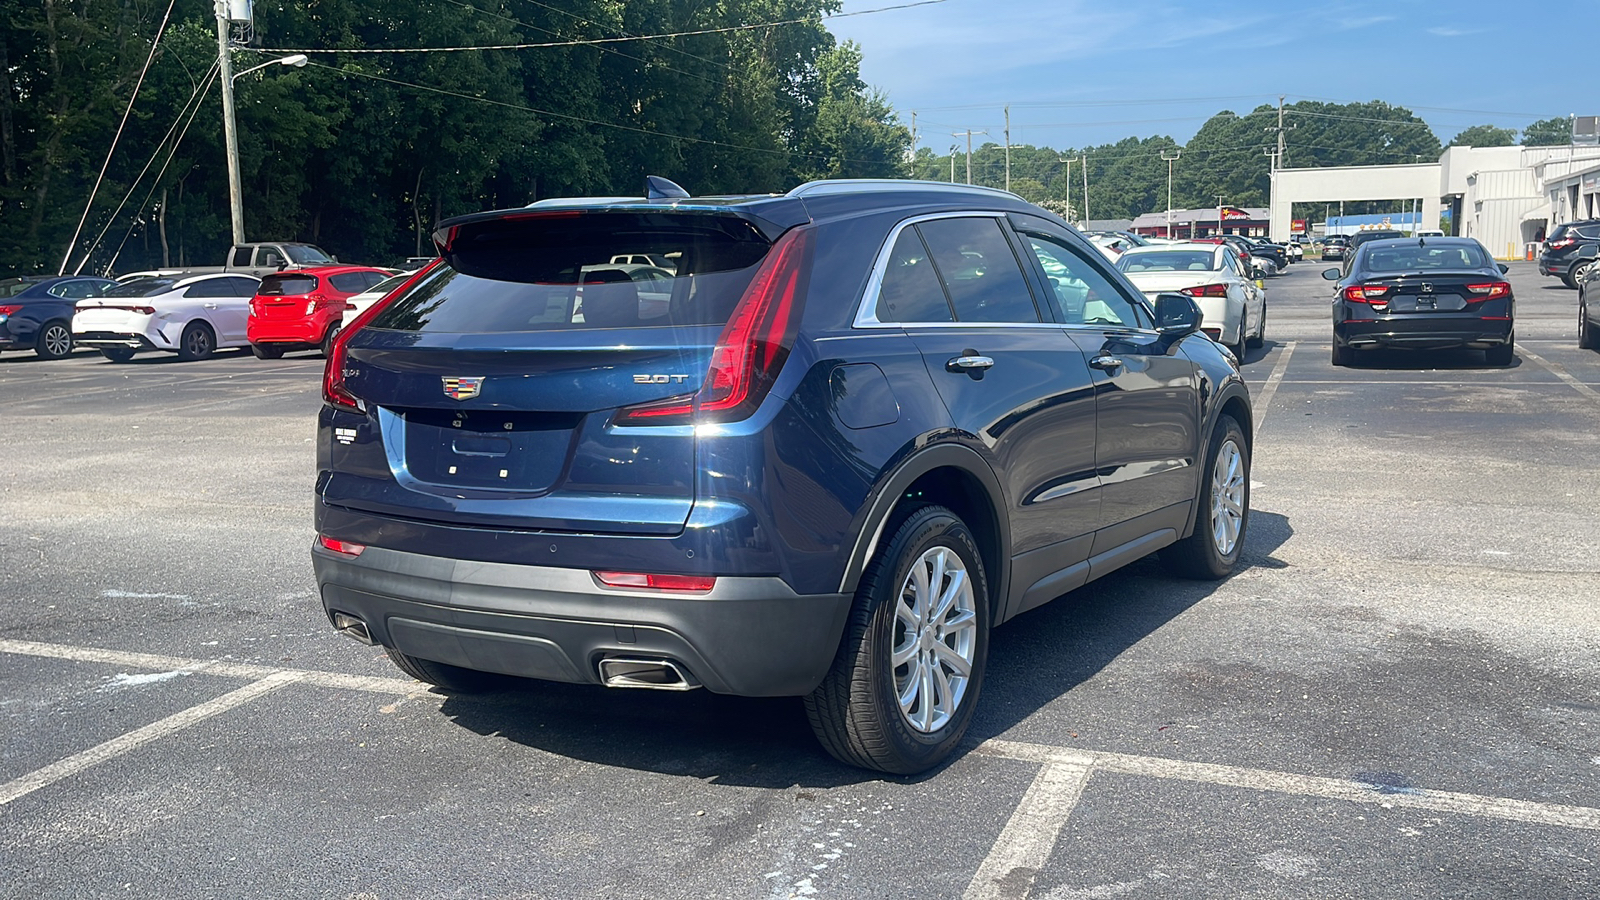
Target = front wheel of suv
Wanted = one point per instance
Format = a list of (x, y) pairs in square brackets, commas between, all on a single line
[(903, 685), (1223, 517), (454, 679)]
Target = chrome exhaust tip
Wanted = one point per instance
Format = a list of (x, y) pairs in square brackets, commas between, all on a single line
[(652, 674), (349, 625)]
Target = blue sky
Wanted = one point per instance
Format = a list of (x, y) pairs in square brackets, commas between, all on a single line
[(1077, 72)]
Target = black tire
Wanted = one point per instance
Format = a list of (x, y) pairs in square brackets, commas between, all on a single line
[(328, 339), (1198, 555), (266, 351), (1342, 355), (117, 354), (55, 341), (197, 343), (1588, 335), (1575, 277), (454, 679), (1260, 339), (1239, 348), (1501, 355), (855, 711)]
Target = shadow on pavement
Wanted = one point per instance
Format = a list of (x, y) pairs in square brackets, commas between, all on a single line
[(1033, 660)]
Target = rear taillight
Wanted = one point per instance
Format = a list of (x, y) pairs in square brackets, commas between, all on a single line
[(9, 309), (334, 393), (346, 549), (1562, 243), (751, 349), (695, 584), (1207, 290), (1490, 290), (1373, 293)]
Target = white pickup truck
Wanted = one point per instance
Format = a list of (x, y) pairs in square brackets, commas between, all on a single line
[(256, 259)]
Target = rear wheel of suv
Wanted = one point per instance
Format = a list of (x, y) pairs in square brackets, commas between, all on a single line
[(1223, 517), (902, 688), (452, 678), (1578, 273)]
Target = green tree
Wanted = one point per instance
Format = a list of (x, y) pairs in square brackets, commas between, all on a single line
[(1485, 136), (1554, 132)]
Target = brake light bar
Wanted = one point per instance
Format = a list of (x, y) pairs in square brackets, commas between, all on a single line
[(1562, 242), (1207, 290), (9, 309), (688, 584), (752, 348), (1491, 289), (334, 393)]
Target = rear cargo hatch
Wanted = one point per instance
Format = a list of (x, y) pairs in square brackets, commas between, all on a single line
[(284, 296), (493, 383)]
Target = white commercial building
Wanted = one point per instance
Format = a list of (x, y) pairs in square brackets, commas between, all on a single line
[(1506, 197)]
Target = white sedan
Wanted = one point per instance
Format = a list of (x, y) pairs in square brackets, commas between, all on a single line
[(192, 316), (358, 304), (1235, 309)]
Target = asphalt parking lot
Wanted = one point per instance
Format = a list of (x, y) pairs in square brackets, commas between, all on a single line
[(1398, 695)]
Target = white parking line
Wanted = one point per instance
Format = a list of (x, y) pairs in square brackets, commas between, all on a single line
[(217, 667), (1559, 372), (1582, 817), (1273, 380), (1024, 845), (124, 743)]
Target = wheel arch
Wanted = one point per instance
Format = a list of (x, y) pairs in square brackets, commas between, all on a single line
[(1232, 400), (949, 475)]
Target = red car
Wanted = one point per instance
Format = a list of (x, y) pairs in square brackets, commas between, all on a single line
[(300, 309)]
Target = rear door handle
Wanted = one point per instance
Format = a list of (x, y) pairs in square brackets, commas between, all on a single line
[(209, 305), (968, 363), (1105, 363)]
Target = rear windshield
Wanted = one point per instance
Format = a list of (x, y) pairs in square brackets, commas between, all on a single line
[(140, 287), (1169, 261), (287, 285), (13, 287), (1424, 257), (559, 274)]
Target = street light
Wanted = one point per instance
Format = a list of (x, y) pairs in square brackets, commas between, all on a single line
[(298, 60), (1170, 160)]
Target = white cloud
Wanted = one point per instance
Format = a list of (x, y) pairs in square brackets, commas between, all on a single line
[(1446, 31)]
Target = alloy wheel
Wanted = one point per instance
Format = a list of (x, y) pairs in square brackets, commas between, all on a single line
[(934, 639), (57, 341), (1227, 498)]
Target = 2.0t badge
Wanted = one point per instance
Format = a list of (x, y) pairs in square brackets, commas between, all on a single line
[(462, 387)]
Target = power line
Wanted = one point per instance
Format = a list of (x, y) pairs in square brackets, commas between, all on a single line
[(590, 42), (664, 46)]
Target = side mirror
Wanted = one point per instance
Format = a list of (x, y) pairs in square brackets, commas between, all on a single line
[(1502, 267), (1330, 274), (1177, 315)]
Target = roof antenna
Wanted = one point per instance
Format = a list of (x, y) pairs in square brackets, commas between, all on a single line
[(658, 188)]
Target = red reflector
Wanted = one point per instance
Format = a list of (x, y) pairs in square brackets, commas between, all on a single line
[(698, 584), (1491, 289), (1207, 290), (342, 548)]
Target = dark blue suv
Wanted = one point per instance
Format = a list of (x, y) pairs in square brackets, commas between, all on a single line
[(819, 447)]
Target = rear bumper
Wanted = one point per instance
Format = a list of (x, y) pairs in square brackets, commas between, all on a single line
[(111, 339), (751, 636), (305, 332), (1425, 334)]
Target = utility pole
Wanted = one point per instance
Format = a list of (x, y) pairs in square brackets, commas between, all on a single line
[(913, 144), (1008, 148), (230, 136), (1066, 179), (1170, 160), (969, 133), (1277, 158), (1219, 215), (953, 149), (1086, 190)]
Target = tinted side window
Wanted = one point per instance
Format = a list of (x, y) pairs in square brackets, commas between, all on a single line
[(241, 256), (1083, 295), (211, 287), (242, 287), (979, 270), (911, 291), (350, 282)]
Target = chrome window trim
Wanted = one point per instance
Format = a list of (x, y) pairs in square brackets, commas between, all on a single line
[(867, 308)]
